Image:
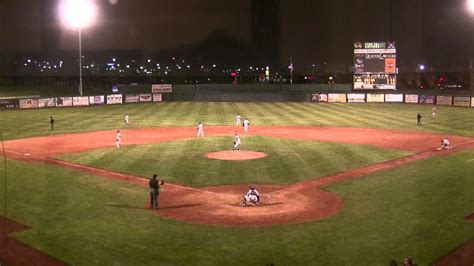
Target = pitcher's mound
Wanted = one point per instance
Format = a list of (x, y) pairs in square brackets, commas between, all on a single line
[(235, 155)]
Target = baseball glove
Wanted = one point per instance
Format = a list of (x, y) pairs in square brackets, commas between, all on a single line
[(162, 182)]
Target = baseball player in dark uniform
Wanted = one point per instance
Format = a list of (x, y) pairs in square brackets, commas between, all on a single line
[(154, 191), (51, 121)]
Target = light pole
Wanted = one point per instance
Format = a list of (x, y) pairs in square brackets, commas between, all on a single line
[(470, 7), (77, 15)]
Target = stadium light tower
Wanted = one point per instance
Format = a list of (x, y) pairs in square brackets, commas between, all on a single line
[(470, 6), (78, 15)]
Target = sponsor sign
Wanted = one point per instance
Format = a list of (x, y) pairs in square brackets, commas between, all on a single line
[(394, 98), (375, 98), (355, 97), (428, 99), (28, 103), (99, 99), (444, 100), (63, 101), (145, 98), (114, 99), (157, 97), (9, 103), (161, 88), (80, 101), (411, 98), (47, 102), (319, 98), (337, 97), (472, 102), (132, 98), (462, 101)]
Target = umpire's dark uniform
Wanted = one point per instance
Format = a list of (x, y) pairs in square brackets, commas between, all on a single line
[(154, 192)]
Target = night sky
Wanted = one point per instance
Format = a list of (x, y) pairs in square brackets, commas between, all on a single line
[(312, 31)]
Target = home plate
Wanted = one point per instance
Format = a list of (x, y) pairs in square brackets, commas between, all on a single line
[(27, 154)]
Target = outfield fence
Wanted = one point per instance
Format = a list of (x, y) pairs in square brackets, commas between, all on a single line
[(32, 102)]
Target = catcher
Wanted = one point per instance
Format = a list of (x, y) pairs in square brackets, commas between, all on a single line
[(445, 145), (252, 197)]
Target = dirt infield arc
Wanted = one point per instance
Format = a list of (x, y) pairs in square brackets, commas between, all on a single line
[(218, 205)]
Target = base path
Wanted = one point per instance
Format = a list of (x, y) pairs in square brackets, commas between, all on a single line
[(13, 252), (219, 205)]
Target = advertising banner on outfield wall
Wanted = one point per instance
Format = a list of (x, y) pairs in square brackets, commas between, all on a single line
[(375, 98), (47, 102), (319, 98), (114, 99), (394, 98), (80, 101), (157, 97), (356, 98), (462, 101), (63, 101), (9, 103), (337, 98), (145, 98), (411, 98), (444, 100), (28, 103), (427, 99), (472, 102), (161, 88), (132, 98), (99, 99)]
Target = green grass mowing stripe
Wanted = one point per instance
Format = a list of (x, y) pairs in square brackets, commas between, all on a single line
[(86, 225), (280, 113), (372, 119), (319, 113)]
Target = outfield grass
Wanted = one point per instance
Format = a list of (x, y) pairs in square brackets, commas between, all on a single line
[(288, 161), (414, 210), (27, 123)]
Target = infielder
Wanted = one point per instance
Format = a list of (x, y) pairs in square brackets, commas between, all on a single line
[(200, 131), (252, 197), (237, 119), (433, 111), (236, 143), (127, 120), (246, 125), (118, 138)]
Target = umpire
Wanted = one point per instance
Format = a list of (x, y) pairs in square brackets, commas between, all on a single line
[(154, 191)]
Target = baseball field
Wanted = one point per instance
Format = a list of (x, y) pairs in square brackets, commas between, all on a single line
[(341, 184)]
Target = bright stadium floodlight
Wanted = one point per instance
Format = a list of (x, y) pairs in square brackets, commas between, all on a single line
[(78, 15), (470, 6)]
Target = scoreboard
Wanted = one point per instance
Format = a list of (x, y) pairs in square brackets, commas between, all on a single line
[(375, 65)]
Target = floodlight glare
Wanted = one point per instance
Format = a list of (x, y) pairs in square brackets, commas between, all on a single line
[(470, 5), (77, 14)]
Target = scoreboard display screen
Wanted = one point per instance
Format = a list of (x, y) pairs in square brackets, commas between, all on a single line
[(375, 65)]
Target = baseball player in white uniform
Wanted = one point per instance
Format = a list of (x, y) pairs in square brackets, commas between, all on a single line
[(251, 197), (118, 139), (237, 119), (200, 130), (127, 120), (445, 144), (433, 111), (236, 143), (246, 125)]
